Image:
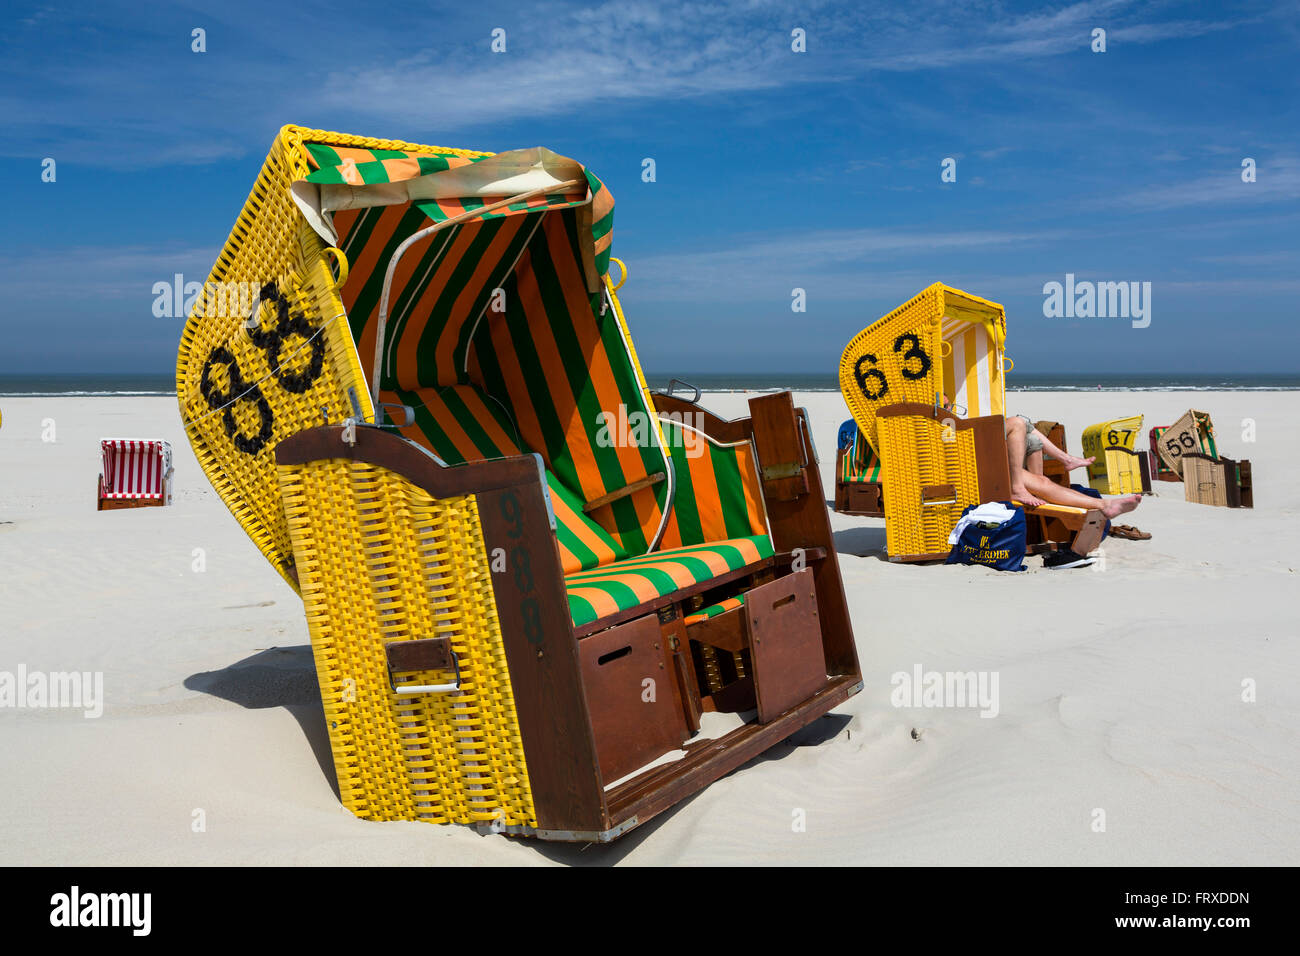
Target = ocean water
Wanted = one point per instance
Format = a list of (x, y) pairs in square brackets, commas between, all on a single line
[(154, 384)]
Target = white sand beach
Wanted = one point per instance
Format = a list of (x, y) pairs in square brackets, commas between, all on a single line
[(1121, 686)]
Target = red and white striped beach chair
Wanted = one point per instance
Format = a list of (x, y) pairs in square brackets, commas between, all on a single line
[(136, 473)]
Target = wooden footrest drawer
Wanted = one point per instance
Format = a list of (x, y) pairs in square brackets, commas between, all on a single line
[(778, 625), (635, 717)]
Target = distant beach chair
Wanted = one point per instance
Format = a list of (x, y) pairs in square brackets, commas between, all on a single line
[(136, 473), (1193, 432), (526, 576), (1160, 471), (858, 488), (1119, 469), (935, 462)]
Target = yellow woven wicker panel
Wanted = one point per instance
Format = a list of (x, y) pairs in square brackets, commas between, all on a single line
[(379, 560), (268, 382), (909, 356), (917, 451), (1113, 473)]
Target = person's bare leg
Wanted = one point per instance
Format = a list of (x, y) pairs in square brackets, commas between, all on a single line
[(1034, 463), (1050, 491), (1070, 462), (1016, 462)]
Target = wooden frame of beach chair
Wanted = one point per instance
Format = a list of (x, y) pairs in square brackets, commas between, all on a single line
[(525, 590), (895, 376), (135, 473), (1119, 469), (1053, 469)]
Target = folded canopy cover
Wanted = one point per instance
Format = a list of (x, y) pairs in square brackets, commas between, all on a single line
[(446, 186)]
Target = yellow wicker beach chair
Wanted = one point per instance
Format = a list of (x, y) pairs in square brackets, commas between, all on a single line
[(1119, 468), (525, 577), (943, 347)]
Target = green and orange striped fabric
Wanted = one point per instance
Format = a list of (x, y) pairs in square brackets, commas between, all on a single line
[(559, 362), (501, 336), (458, 424), (713, 610), (505, 303), (353, 166), (717, 494), (598, 593), (860, 461)]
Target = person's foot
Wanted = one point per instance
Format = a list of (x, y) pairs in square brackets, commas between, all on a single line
[(1071, 462), (1025, 498), (1114, 507)]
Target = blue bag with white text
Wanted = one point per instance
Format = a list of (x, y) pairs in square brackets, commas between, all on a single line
[(994, 536)]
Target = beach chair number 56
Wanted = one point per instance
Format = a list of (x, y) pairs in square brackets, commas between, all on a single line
[(1184, 439), (865, 371), (271, 341)]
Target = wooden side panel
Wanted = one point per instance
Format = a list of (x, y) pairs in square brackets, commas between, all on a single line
[(784, 635), (804, 523), (634, 722), (542, 652)]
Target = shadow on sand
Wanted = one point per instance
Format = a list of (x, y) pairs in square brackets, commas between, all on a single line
[(861, 542), (286, 677), (276, 677)]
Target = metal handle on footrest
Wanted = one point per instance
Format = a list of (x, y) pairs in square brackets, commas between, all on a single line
[(428, 654)]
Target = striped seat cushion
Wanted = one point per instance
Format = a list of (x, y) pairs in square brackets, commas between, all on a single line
[(634, 581), (713, 610)]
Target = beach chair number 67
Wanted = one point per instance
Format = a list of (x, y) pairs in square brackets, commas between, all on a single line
[(271, 342), (863, 374)]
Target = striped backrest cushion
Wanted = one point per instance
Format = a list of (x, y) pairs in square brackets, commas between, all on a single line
[(717, 494), (459, 423), (441, 289), (557, 358)]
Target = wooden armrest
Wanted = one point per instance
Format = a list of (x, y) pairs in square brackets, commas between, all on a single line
[(1050, 509), (623, 492)]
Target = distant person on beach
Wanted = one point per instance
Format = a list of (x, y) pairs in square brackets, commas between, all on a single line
[(1026, 446)]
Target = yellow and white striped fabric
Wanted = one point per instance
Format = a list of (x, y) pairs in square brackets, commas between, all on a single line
[(972, 372)]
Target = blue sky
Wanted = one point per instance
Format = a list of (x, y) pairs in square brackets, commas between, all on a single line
[(775, 169)]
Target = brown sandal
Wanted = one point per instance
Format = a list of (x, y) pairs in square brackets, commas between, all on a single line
[(1129, 532)]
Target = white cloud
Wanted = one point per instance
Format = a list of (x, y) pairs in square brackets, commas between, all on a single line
[(1277, 180)]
